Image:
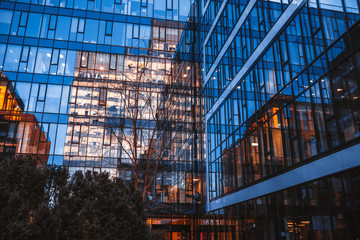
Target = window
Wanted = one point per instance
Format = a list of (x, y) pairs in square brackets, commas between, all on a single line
[(81, 25), (43, 60), (118, 33), (108, 31), (102, 96), (62, 28), (12, 58), (136, 31), (113, 62), (52, 101), (91, 31), (84, 59), (33, 25), (5, 21)]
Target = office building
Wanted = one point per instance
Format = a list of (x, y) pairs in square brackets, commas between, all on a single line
[(88, 85), (281, 82), (247, 112)]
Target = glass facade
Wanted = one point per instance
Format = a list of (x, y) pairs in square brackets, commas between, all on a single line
[(99, 86), (281, 87), (298, 100), (324, 209), (198, 102)]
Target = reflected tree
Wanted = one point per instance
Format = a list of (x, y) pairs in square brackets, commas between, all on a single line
[(143, 130)]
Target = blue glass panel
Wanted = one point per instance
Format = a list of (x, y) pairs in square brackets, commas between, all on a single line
[(2, 54), (33, 25), (52, 101), (184, 9), (60, 138), (33, 97), (5, 21), (64, 99), (135, 7), (23, 91), (12, 58), (15, 23), (80, 4), (70, 63), (107, 6), (118, 36), (160, 8), (52, 3), (43, 60), (91, 31), (62, 28)]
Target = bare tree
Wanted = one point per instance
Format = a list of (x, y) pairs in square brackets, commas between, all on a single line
[(143, 131)]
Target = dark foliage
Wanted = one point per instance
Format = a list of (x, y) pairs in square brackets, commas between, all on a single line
[(43, 203)]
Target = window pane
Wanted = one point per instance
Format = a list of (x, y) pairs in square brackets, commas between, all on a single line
[(159, 8), (5, 21), (70, 63), (2, 54), (33, 26), (23, 89), (43, 60), (107, 6), (118, 34), (91, 30), (12, 58), (52, 101), (80, 4), (62, 28)]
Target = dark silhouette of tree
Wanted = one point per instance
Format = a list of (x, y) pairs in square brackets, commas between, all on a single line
[(38, 202), (25, 197), (97, 207)]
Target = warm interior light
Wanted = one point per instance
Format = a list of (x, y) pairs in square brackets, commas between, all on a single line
[(254, 144), (339, 89)]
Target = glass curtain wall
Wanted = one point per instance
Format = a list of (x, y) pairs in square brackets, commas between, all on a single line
[(327, 208), (92, 85), (299, 100)]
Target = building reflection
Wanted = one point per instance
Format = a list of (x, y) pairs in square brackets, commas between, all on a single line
[(116, 99), (20, 132)]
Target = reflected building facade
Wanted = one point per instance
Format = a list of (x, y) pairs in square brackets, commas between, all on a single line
[(14, 123), (91, 85)]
